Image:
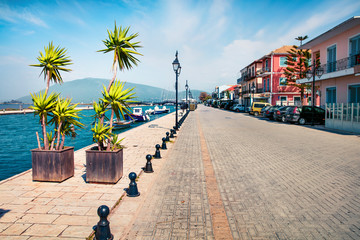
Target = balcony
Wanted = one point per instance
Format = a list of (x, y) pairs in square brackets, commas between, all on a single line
[(263, 72), (339, 68)]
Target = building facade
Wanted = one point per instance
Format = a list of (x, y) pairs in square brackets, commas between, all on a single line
[(339, 52), (264, 81)]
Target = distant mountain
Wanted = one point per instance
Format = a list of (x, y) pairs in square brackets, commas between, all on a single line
[(88, 90)]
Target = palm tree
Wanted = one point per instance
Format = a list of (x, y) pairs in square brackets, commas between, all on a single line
[(301, 38), (64, 112), (43, 105), (124, 51), (52, 61), (118, 98), (100, 134)]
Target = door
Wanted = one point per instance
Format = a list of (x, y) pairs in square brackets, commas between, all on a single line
[(331, 59)]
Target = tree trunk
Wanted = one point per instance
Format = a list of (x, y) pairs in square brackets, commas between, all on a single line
[(115, 70), (58, 137), (302, 95), (47, 82), (52, 144), (62, 142), (38, 140), (43, 126), (111, 124)]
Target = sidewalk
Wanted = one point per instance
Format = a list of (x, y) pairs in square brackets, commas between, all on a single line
[(176, 205), (68, 210)]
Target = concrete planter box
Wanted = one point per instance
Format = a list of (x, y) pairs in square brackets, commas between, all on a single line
[(52, 166), (103, 166)]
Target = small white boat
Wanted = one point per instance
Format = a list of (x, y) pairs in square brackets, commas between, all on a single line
[(149, 111), (120, 124), (158, 110), (137, 115)]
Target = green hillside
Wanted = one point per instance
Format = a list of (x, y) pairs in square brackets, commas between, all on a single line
[(88, 90)]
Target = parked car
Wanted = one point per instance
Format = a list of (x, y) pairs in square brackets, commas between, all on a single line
[(279, 115), (303, 115), (256, 107), (238, 108), (228, 105), (263, 110), (270, 112), (222, 105)]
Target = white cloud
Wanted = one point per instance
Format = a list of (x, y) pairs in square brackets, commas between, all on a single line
[(329, 14), (15, 16)]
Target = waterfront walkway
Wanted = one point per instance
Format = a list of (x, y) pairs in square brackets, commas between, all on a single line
[(68, 210), (226, 176)]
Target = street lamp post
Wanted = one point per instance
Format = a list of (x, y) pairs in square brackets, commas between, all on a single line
[(253, 91), (316, 70), (177, 70), (186, 89)]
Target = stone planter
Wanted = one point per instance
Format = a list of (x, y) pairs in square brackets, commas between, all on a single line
[(52, 166), (103, 166)]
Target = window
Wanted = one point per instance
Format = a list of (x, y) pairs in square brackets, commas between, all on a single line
[(282, 81), (268, 84), (331, 95), (331, 59), (282, 62), (355, 51), (354, 94), (264, 85), (266, 65), (297, 101), (283, 99)]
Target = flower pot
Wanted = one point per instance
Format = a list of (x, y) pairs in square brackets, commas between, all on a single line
[(104, 166), (52, 166)]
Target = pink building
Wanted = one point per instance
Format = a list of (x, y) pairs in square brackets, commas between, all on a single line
[(264, 81), (339, 52), (274, 80)]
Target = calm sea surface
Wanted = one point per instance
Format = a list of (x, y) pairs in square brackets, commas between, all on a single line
[(17, 137)]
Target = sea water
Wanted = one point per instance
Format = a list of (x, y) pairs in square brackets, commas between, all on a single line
[(18, 137)]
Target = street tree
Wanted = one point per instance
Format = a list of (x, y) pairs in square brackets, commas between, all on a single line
[(203, 96), (52, 61), (124, 50), (298, 63)]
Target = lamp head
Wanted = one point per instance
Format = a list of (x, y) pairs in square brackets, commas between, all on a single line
[(309, 74), (319, 72), (176, 64)]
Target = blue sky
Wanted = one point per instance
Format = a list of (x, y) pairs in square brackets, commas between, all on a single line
[(215, 39)]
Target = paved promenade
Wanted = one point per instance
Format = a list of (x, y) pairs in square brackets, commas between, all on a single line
[(277, 181), (68, 210), (226, 172)]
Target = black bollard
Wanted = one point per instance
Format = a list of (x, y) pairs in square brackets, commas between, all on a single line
[(175, 129), (148, 167), (132, 191), (167, 136), (102, 229), (163, 145), (157, 152), (172, 133)]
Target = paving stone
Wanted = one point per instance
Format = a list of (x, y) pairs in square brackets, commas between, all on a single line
[(16, 229), (45, 230), (37, 218), (288, 181)]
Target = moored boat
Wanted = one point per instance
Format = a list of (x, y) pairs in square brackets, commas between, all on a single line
[(120, 124), (158, 110), (137, 115)]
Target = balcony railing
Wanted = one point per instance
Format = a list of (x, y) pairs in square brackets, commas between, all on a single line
[(262, 71), (341, 64)]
